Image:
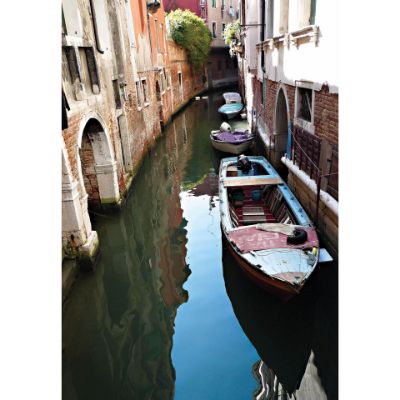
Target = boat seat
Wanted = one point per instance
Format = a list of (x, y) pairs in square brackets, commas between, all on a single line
[(253, 219), (248, 210)]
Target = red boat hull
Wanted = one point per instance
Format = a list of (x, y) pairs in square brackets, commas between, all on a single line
[(284, 291)]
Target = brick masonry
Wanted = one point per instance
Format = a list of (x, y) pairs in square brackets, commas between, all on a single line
[(326, 127), (129, 126), (325, 108)]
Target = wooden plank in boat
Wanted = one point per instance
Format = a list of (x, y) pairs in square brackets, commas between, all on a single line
[(251, 219), (231, 168), (253, 211), (228, 182)]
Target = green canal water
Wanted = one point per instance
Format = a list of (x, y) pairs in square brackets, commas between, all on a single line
[(167, 314)]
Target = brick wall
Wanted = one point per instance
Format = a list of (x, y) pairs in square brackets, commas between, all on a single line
[(326, 117)]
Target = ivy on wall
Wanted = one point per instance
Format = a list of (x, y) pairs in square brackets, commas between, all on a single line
[(190, 32), (231, 35)]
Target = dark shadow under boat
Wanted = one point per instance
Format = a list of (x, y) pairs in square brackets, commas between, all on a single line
[(281, 333)]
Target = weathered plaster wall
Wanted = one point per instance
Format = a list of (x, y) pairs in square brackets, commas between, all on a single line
[(103, 165)]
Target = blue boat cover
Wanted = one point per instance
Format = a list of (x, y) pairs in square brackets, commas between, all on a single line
[(233, 107)]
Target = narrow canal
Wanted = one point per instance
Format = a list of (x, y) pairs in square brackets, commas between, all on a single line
[(168, 314)]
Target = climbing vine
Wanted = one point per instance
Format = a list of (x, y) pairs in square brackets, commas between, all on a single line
[(232, 36), (190, 32)]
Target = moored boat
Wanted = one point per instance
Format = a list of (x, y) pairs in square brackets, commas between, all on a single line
[(231, 110), (232, 97), (268, 231), (235, 142)]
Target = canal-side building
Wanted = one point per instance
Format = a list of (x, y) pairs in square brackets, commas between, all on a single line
[(222, 68), (119, 87), (289, 80)]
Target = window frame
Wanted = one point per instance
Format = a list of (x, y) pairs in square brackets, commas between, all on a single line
[(139, 94), (306, 125), (214, 31), (145, 91)]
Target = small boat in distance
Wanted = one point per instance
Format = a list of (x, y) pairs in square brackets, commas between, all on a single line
[(268, 231), (236, 142), (232, 97), (231, 110)]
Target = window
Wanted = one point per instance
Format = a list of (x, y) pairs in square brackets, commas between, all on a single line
[(304, 104), (214, 29), (222, 31), (162, 83), (145, 91), (92, 67), (85, 78), (66, 74), (214, 3), (72, 61), (139, 94), (283, 17), (270, 19), (306, 13), (180, 80), (164, 78), (117, 95), (312, 11)]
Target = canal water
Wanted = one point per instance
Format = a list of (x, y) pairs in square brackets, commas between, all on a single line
[(167, 314)]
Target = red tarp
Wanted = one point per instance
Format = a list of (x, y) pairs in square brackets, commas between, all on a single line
[(252, 239)]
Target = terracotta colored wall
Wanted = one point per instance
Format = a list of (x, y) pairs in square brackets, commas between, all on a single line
[(192, 5)]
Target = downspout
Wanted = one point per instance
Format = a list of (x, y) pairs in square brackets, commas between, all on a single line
[(96, 33)]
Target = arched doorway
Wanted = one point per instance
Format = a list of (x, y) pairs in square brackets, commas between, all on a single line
[(98, 169), (281, 125)]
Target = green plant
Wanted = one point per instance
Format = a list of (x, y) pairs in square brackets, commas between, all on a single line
[(190, 32), (231, 35)]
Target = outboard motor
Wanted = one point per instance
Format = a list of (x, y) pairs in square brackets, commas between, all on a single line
[(225, 127), (244, 164)]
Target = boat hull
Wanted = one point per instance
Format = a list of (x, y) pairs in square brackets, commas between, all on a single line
[(231, 148), (231, 110), (261, 248), (230, 115), (280, 289)]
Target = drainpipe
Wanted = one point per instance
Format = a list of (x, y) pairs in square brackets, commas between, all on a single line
[(96, 33)]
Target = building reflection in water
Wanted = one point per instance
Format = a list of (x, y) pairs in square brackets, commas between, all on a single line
[(119, 323), (298, 355)]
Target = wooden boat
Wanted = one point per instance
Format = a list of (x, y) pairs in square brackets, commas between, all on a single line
[(235, 142), (230, 110), (232, 97), (268, 231)]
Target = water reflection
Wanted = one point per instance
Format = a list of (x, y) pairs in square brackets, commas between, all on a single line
[(287, 337), (122, 335), (119, 323)]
